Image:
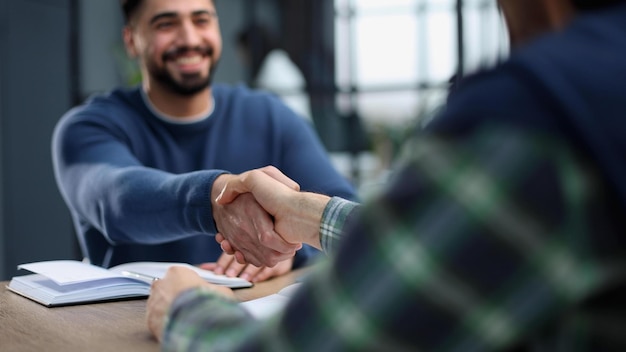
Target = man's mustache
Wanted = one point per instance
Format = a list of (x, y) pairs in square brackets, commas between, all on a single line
[(174, 53)]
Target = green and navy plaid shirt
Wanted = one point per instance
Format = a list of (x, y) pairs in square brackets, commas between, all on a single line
[(498, 241)]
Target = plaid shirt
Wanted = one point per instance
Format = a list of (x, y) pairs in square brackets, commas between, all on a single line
[(501, 240)]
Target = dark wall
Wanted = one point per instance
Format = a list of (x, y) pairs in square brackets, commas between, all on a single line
[(40, 79), (3, 34), (34, 93)]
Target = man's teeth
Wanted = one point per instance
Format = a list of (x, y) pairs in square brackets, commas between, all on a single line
[(189, 60)]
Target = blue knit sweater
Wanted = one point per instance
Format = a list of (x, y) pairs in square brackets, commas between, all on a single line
[(138, 187)]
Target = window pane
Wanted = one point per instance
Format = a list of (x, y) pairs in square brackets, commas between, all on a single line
[(386, 50), (399, 5), (440, 47), (486, 38), (341, 4), (388, 108), (378, 4), (343, 54)]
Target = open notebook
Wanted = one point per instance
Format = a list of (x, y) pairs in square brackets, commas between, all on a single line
[(64, 282)]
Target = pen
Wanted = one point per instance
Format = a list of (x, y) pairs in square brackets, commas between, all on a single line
[(139, 275)]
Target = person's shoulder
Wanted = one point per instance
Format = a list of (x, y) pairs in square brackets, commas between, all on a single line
[(256, 106), (499, 93), (110, 105), (241, 93), (115, 98), (235, 90), (488, 86)]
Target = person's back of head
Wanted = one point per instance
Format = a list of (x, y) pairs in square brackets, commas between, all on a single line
[(590, 5), (526, 19)]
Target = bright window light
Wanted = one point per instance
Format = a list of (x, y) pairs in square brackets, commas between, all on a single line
[(396, 58)]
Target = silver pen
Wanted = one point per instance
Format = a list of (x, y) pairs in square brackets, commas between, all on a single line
[(140, 276)]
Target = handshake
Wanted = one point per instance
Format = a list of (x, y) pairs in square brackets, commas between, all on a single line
[(278, 220)]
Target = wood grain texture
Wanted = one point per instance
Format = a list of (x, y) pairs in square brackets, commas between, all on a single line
[(112, 326)]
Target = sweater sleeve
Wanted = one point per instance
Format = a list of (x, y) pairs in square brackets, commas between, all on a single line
[(107, 187)]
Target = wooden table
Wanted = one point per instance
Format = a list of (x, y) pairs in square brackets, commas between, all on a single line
[(113, 326)]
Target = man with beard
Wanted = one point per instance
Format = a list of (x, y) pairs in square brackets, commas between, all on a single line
[(503, 230), (139, 168)]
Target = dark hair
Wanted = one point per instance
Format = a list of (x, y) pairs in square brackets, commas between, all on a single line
[(589, 5), (129, 7)]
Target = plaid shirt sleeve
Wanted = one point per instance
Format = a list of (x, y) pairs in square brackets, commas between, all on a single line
[(337, 214), (479, 243)]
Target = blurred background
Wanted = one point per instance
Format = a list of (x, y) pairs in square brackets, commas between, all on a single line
[(365, 72)]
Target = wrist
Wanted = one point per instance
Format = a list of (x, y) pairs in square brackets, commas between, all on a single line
[(309, 208), (218, 185), (216, 188)]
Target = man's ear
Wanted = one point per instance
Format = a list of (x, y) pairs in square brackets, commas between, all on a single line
[(129, 42)]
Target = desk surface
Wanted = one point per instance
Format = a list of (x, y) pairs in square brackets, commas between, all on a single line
[(113, 326)]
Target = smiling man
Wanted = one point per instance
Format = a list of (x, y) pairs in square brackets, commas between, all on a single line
[(138, 167), (179, 46)]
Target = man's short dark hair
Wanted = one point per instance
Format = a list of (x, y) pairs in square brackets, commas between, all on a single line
[(129, 7)]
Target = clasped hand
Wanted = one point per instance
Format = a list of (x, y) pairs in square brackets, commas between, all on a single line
[(296, 216), (244, 225), (262, 218)]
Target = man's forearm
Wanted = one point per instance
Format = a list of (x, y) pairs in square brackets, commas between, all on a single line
[(141, 205), (302, 218)]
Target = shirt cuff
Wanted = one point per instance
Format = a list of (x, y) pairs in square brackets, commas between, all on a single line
[(334, 219), (197, 312)]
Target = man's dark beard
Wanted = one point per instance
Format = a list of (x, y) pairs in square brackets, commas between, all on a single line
[(190, 84)]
